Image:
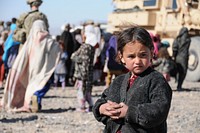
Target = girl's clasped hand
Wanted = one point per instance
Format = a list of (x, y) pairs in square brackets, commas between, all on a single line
[(114, 110)]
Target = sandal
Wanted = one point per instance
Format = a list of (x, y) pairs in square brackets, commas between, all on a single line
[(34, 107)]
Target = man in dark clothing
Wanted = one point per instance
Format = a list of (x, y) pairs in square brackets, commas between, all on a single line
[(181, 55), (68, 40)]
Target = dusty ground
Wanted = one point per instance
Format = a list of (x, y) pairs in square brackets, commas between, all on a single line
[(59, 116)]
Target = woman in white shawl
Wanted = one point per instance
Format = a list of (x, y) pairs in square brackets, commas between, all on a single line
[(31, 70)]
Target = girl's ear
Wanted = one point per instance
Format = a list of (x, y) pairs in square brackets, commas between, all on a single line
[(122, 59), (153, 56)]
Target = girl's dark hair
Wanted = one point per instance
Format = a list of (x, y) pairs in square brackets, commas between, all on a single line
[(133, 34)]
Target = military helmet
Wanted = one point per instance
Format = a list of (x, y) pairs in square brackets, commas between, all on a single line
[(31, 1)]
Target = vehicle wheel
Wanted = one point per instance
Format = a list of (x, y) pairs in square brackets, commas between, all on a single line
[(193, 72)]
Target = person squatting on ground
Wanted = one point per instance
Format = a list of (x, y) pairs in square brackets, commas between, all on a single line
[(180, 50), (138, 101), (28, 79), (83, 74)]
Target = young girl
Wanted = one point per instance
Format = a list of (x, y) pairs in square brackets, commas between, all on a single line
[(61, 70), (138, 101)]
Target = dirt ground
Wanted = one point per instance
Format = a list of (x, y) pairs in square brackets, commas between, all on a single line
[(58, 113)]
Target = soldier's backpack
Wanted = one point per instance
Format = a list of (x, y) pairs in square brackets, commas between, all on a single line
[(24, 24), (20, 32)]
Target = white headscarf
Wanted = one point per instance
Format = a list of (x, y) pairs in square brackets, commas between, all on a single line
[(90, 35)]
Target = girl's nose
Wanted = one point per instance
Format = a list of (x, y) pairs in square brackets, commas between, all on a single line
[(137, 60)]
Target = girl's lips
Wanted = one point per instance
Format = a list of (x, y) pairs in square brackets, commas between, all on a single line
[(137, 67)]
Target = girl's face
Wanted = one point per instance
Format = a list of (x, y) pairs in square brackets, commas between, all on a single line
[(136, 57)]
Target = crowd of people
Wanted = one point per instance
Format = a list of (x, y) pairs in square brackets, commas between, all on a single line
[(29, 60), (32, 61), (78, 64)]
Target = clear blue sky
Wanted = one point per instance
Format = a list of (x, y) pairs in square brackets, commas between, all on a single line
[(60, 12)]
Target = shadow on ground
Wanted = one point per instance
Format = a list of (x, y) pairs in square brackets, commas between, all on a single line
[(197, 89), (59, 97), (14, 120), (59, 110)]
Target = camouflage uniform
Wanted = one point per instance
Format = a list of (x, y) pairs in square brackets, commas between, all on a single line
[(83, 59), (24, 23)]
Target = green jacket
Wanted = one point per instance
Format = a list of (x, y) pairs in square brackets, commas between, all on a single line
[(24, 24)]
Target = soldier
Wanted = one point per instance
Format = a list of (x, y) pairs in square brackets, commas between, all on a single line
[(25, 21)]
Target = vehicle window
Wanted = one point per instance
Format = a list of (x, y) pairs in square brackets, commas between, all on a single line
[(174, 4), (171, 4), (150, 3)]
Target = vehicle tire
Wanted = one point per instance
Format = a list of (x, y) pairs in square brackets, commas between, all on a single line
[(193, 72)]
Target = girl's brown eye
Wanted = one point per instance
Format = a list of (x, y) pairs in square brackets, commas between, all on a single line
[(131, 56), (143, 55)]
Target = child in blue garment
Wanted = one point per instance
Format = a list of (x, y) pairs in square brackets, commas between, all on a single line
[(138, 101), (61, 70)]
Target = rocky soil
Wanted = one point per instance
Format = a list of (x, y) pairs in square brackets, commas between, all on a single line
[(58, 113)]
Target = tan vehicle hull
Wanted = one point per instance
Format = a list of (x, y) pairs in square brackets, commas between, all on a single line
[(163, 17)]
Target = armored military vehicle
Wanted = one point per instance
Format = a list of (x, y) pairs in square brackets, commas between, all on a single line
[(163, 17)]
